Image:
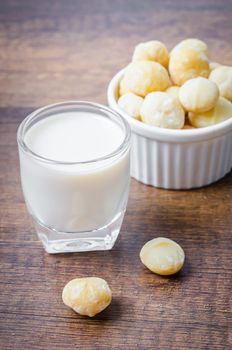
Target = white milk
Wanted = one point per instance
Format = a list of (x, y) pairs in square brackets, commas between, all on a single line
[(75, 197), (66, 137)]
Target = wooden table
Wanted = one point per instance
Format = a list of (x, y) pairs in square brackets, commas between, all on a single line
[(58, 50)]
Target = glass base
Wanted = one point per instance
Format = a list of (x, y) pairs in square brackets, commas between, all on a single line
[(103, 238)]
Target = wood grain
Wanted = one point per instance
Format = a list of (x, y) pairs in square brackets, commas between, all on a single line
[(57, 50)]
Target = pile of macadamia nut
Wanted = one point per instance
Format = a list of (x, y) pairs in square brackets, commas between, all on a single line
[(182, 89)]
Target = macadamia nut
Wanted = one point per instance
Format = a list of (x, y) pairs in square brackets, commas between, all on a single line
[(162, 110), (123, 88), (198, 95), (186, 63), (142, 77), (214, 65), (221, 112), (192, 43), (174, 92), (87, 296), (222, 76), (131, 104), (152, 51), (162, 256)]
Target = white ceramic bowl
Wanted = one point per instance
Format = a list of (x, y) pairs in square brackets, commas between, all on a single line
[(176, 159)]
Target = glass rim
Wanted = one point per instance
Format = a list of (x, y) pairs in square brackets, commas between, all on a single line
[(124, 145)]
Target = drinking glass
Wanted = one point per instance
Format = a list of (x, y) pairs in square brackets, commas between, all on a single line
[(75, 206)]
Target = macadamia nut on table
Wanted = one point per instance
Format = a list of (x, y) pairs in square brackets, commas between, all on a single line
[(87, 296), (162, 256)]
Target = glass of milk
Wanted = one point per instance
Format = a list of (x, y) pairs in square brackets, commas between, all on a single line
[(74, 164)]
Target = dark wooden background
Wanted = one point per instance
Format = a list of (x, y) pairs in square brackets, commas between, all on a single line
[(52, 51)]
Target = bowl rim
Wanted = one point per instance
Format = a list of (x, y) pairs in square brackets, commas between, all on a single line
[(162, 134)]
